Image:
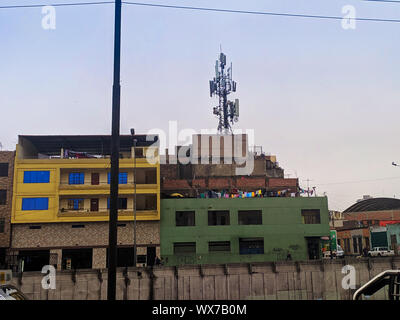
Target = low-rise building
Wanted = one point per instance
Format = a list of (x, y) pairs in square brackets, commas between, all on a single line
[(6, 186), (207, 231), (61, 201)]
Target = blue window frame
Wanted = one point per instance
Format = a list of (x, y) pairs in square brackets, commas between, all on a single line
[(36, 176), (35, 204), (76, 178), (122, 178), (75, 204)]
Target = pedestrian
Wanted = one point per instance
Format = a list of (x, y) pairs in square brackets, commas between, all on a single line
[(158, 261), (289, 256)]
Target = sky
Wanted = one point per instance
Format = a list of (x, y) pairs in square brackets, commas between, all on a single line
[(322, 98)]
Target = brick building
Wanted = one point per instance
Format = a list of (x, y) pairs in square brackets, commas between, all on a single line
[(219, 165), (354, 236), (6, 186)]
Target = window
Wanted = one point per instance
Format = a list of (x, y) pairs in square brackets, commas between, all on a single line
[(146, 175), (76, 178), (77, 226), (4, 169), (146, 202), (77, 259), (3, 197), (218, 218), (2, 224), (251, 246), (393, 240), (250, 217), (122, 203), (94, 204), (36, 176), (35, 204), (184, 247), (310, 216), (75, 204), (95, 178), (139, 153), (219, 246), (122, 178), (185, 218)]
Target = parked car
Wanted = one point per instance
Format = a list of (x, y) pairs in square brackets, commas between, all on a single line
[(339, 252), (9, 292), (380, 252)]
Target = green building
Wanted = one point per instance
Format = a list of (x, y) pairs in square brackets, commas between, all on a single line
[(210, 231)]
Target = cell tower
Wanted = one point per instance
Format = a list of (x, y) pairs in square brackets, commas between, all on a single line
[(222, 85)]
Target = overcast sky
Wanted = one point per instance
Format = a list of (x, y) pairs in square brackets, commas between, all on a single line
[(323, 99)]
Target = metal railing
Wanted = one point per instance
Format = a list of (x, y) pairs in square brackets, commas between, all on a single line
[(390, 278)]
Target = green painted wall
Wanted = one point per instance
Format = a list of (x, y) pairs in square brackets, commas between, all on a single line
[(393, 229), (282, 229)]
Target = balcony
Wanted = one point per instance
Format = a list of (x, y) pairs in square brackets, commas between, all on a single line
[(103, 214)]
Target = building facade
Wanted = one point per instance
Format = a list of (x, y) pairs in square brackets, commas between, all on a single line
[(6, 185), (207, 231), (61, 201)]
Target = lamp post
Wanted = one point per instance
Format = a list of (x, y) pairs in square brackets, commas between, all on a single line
[(134, 199)]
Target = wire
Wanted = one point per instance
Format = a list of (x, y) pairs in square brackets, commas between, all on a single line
[(212, 10), (57, 5), (258, 12), (360, 181), (391, 1)]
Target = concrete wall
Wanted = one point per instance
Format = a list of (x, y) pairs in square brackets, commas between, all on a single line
[(307, 280)]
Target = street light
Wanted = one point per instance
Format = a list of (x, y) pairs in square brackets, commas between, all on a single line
[(134, 199)]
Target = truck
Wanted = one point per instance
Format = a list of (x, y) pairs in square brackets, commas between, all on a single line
[(380, 252)]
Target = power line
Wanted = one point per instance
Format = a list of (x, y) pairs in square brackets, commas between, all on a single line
[(390, 1), (57, 5), (258, 12), (359, 181), (278, 14)]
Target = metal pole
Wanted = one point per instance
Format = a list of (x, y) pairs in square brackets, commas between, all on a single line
[(115, 144), (134, 207)]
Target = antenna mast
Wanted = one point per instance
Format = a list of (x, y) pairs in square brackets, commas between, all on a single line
[(222, 85)]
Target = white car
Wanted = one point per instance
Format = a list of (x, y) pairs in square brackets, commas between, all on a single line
[(339, 252), (380, 252)]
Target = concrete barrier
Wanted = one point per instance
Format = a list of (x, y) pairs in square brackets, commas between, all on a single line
[(306, 280)]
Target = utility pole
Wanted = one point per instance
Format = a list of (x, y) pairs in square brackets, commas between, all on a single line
[(115, 144), (134, 207)]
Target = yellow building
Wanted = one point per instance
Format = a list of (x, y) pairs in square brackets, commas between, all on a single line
[(61, 199)]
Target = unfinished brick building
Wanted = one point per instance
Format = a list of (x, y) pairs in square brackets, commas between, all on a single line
[(208, 168), (6, 185)]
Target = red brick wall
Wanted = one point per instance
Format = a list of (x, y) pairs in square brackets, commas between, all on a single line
[(244, 182), (373, 215), (281, 182)]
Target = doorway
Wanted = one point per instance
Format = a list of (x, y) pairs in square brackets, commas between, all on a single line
[(151, 256), (94, 204), (95, 178), (33, 260), (313, 248)]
